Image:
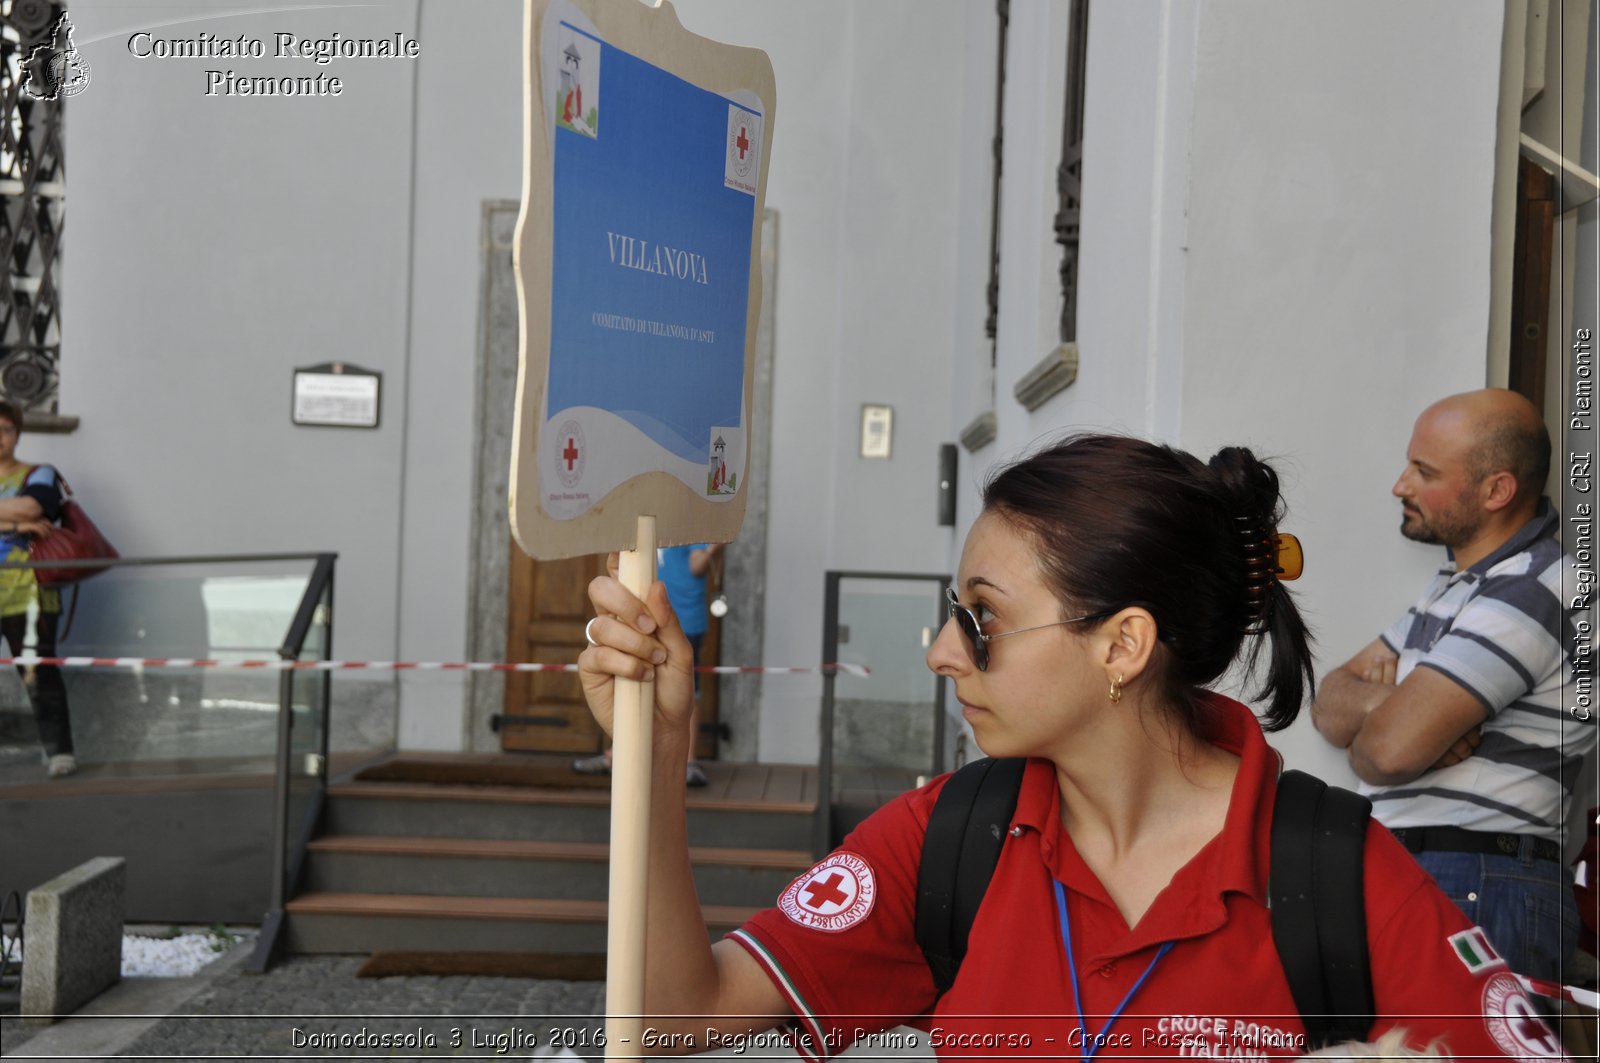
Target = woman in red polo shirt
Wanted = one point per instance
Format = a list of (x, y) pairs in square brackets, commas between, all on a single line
[(1105, 584)]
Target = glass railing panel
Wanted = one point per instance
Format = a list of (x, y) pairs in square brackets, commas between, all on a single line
[(886, 718), (309, 691), (155, 720)]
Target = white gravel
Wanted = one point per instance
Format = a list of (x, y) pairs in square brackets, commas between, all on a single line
[(177, 956)]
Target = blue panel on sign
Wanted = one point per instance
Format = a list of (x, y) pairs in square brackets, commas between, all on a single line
[(654, 189)]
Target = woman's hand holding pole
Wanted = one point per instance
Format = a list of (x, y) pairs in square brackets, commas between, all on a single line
[(637, 638)]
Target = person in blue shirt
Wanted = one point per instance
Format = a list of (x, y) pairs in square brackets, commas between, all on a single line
[(683, 570)]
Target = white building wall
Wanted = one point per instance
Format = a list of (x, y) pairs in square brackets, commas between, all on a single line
[(1134, 192), (1338, 278), (1285, 243), (213, 245), (216, 243), (468, 113)]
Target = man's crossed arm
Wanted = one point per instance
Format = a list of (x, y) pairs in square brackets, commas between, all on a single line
[(1396, 731)]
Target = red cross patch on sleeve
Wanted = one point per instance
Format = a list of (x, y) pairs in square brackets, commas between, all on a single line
[(1514, 1022), (835, 895)]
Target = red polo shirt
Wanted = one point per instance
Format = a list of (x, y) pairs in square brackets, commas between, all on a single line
[(842, 948)]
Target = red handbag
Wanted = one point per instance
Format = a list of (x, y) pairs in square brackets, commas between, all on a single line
[(75, 538)]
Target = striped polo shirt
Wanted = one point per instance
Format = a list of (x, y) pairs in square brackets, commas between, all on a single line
[(1502, 630)]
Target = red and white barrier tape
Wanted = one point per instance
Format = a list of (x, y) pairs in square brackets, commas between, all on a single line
[(277, 665), (1587, 997)]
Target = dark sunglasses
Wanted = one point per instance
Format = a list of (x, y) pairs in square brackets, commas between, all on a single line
[(967, 621)]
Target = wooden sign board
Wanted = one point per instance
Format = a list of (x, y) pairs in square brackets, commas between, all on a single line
[(638, 266)]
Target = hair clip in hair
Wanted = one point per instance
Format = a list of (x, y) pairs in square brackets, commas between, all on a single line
[(1269, 557), (1288, 559)]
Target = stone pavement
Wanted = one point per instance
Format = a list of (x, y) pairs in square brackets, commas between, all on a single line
[(315, 1006)]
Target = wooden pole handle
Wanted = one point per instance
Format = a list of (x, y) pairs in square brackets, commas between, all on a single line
[(631, 736)]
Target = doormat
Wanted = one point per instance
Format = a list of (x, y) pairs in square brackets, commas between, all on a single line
[(500, 773), (564, 967)]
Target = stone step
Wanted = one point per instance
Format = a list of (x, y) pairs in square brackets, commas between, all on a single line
[(17, 727), (542, 814), (487, 867), (321, 922)]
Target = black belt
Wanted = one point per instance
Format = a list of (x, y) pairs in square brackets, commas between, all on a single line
[(1456, 840)]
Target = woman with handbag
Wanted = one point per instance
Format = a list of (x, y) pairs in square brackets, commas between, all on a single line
[(30, 500)]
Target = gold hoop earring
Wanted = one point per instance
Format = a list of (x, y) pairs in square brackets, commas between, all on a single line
[(1116, 689)]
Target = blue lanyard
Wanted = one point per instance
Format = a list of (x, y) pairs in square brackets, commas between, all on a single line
[(1090, 1047)]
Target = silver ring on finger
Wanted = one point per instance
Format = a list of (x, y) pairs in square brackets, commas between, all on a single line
[(588, 633)]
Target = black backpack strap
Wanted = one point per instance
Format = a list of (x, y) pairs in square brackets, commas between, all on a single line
[(966, 831), (1319, 918)]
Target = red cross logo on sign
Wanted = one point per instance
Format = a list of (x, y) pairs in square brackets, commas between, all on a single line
[(741, 166), (835, 895), (569, 450)]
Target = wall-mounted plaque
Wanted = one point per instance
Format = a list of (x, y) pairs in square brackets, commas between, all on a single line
[(336, 395)]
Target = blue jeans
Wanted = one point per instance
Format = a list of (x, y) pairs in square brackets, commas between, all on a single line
[(1524, 905)]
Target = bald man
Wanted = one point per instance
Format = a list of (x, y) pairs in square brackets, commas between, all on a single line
[(1456, 717)]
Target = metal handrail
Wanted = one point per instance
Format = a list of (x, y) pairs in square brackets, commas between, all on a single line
[(306, 614), (180, 559), (286, 864)]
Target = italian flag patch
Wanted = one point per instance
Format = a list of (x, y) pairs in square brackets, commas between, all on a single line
[(1474, 951)]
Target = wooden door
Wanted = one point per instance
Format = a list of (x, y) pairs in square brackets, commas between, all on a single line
[(549, 606), (1530, 286)]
